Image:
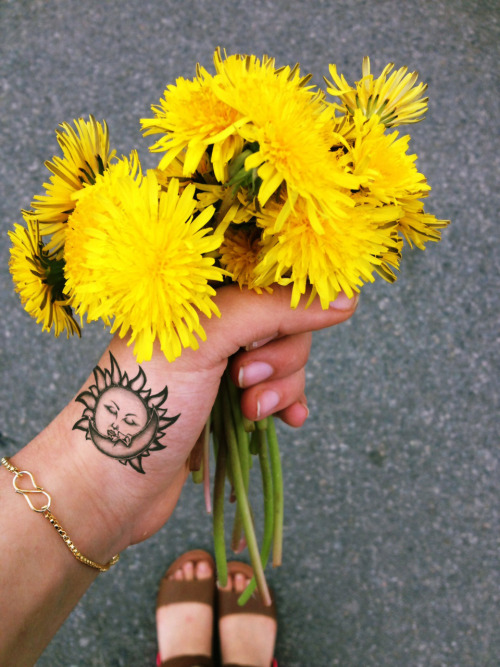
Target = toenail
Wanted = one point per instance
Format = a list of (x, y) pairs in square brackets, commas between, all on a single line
[(203, 569)]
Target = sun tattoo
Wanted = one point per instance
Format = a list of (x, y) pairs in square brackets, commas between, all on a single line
[(121, 417)]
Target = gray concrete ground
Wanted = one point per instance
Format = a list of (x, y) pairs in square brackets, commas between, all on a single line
[(392, 487)]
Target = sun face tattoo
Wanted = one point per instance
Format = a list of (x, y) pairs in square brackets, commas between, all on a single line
[(121, 417)]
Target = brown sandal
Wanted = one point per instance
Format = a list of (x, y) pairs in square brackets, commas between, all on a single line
[(172, 591), (228, 601)]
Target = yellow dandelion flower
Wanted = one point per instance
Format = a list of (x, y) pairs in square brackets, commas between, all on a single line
[(395, 98), (391, 177), (191, 118), (123, 168), (211, 194), (144, 249), (290, 126), (175, 169), (241, 79), (383, 162), (341, 258), (86, 154), (39, 279), (231, 208), (91, 215), (417, 226), (240, 252)]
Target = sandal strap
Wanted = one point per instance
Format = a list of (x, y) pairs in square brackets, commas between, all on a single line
[(228, 600), (189, 661), (173, 591), (228, 604)]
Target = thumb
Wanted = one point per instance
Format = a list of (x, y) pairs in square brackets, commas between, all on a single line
[(248, 318)]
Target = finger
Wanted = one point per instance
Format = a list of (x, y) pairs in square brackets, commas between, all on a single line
[(247, 317), (274, 396), (295, 414), (278, 358)]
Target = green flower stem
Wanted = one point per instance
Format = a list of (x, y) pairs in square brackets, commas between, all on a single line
[(241, 433), (244, 456), (277, 474), (268, 497), (239, 488), (218, 515), (220, 452), (248, 425), (217, 424), (206, 464), (254, 443), (267, 491)]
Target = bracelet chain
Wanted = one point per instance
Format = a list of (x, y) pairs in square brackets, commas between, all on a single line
[(45, 511)]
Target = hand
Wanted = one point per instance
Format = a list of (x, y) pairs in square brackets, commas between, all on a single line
[(129, 505), (272, 375)]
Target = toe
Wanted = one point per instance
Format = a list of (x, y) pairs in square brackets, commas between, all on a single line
[(203, 570), (240, 582), (188, 570)]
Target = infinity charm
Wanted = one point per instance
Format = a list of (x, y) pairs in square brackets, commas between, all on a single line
[(26, 492)]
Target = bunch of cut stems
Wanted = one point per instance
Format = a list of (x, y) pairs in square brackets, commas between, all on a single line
[(237, 443)]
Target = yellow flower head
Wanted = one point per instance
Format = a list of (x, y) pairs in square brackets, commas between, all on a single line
[(340, 258), (90, 211), (145, 251), (383, 162), (417, 226), (39, 279), (240, 253), (290, 126), (123, 168), (85, 155), (391, 177), (395, 98), (191, 118)]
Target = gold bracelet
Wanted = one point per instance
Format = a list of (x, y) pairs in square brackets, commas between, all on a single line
[(45, 511)]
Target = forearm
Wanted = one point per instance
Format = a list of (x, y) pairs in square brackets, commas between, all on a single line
[(40, 580), (102, 505)]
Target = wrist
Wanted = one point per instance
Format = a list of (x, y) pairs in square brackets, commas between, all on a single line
[(103, 505), (46, 474), (108, 492)]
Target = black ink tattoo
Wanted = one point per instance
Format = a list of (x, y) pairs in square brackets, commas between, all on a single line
[(121, 417)]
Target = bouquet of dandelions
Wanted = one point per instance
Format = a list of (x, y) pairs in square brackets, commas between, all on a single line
[(263, 181)]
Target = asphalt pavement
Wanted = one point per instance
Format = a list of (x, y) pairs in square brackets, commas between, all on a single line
[(391, 555)]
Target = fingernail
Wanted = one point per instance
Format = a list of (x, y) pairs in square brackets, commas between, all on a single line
[(254, 373), (260, 343), (343, 302), (266, 403)]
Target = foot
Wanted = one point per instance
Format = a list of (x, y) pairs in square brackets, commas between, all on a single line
[(246, 639), (185, 628)]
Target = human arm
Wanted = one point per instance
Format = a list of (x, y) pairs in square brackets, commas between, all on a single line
[(106, 506)]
